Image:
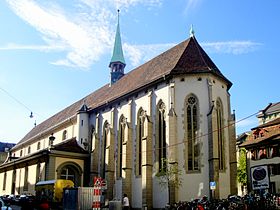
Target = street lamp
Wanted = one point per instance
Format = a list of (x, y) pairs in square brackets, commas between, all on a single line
[(51, 139)]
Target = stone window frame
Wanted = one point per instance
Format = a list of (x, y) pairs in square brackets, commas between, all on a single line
[(74, 166), (38, 145), (121, 141), (161, 145), (140, 134), (105, 145), (191, 108), (220, 134), (64, 135)]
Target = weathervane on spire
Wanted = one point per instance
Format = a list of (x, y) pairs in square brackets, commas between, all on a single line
[(191, 31)]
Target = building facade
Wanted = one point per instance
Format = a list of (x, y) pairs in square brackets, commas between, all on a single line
[(175, 107), (263, 150)]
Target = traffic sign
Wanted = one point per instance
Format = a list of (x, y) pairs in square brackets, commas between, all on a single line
[(212, 185)]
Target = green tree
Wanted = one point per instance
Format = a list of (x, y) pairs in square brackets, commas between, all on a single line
[(241, 169), (169, 176)]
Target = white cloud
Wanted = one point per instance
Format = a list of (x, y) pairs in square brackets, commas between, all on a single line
[(191, 5), (13, 46), (85, 34), (232, 47), (138, 54)]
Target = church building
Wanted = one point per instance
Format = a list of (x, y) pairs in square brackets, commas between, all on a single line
[(175, 107)]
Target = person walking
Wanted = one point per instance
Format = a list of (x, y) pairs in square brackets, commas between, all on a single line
[(125, 202)]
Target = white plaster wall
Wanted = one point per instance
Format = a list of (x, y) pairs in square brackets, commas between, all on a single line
[(44, 139), (194, 185), (32, 178), (82, 128), (220, 91)]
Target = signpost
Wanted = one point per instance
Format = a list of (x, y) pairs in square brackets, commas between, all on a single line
[(212, 188), (259, 177), (212, 185), (97, 192)]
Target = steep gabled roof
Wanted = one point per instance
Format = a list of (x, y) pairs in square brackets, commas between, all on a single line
[(185, 58), (270, 109), (70, 145)]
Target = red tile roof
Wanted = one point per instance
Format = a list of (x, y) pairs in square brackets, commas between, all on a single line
[(185, 58)]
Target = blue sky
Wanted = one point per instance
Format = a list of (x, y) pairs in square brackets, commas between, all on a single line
[(53, 53)]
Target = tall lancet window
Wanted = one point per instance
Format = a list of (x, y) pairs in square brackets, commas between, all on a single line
[(191, 115), (122, 124), (161, 136), (104, 148), (220, 129), (140, 136)]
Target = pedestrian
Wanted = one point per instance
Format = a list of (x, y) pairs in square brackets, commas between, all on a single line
[(44, 204), (125, 202)]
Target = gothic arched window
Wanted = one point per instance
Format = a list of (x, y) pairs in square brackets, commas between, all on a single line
[(161, 135), (64, 135), (140, 134), (122, 124), (220, 127), (191, 115), (104, 148), (38, 145)]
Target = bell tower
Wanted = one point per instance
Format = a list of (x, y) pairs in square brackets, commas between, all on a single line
[(117, 63)]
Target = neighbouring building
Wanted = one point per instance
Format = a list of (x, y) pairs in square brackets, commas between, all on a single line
[(4, 151), (269, 113), (263, 150), (176, 106)]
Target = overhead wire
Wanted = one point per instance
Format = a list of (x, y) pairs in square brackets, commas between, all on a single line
[(203, 135), (19, 102)]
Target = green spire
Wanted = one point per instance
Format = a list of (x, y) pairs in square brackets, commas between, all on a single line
[(118, 52)]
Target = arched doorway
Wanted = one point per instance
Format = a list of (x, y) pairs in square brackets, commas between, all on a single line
[(70, 171)]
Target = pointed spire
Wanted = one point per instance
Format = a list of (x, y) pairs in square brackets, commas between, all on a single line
[(191, 31), (118, 51), (117, 63)]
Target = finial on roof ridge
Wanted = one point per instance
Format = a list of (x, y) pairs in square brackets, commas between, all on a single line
[(191, 31)]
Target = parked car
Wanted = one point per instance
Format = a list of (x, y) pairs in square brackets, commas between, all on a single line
[(27, 201), (3, 206)]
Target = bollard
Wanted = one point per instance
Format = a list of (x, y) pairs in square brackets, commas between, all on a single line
[(145, 207)]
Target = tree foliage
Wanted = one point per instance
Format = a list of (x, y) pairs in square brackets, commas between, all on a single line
[(241, 169), (169, 174)]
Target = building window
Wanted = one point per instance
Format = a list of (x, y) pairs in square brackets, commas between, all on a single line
[(140, 136), (106, 129), (68, 173), (25, 186), (122, 125), (253, 154), (4, 181), (191, 115), (64, 135), (20, 153), (29, 150), (220, 129), (161, 136), (39, 145)]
